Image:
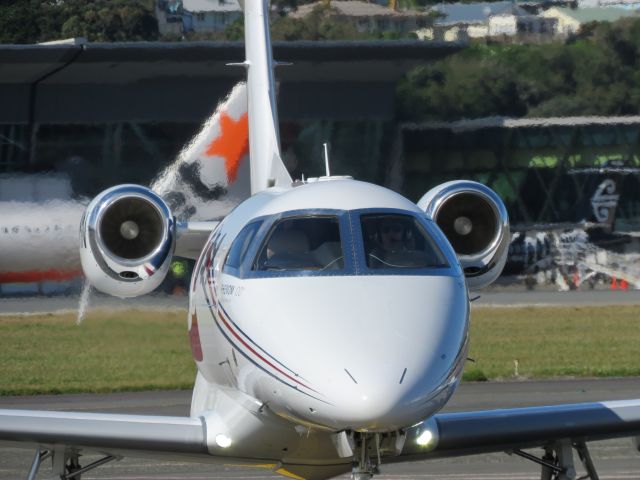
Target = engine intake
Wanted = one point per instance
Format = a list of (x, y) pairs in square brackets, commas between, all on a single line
[(475, 221), (131, 228), (127, 241)]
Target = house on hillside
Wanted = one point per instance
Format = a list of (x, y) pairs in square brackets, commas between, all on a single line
[(169, 15), (626, 4), (459, 21), (209, 15), (569, 20), (370, 17)]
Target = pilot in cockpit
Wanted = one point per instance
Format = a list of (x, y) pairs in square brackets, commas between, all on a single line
[(397, 241), (395, 236), (391, 235)]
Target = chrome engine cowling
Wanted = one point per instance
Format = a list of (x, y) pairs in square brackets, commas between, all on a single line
[(475, 221), (127, 239)]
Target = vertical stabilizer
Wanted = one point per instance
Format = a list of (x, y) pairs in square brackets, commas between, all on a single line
[(267, 168), (210, 177), (604, 203)]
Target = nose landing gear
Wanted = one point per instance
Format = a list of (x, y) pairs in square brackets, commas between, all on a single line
[(369, 448), (366, 459)]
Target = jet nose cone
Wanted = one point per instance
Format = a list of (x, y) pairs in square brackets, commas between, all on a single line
[(376, 355), (371, 405), (394, 403)]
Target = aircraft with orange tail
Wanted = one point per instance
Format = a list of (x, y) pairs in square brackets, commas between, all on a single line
[(39, 239), (328, 319), (39, 242)]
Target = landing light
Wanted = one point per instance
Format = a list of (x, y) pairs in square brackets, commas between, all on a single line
[(425, 438), (223, 441)]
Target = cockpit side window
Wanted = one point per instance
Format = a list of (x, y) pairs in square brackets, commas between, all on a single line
[(241, 244), (302, 243), (395, 241)]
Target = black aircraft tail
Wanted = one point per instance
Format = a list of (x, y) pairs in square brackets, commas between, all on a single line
[(602, 195), (604, 203)]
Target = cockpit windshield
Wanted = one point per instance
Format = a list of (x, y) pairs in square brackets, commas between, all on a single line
[(393, 241), (302, 243), (339, 242)]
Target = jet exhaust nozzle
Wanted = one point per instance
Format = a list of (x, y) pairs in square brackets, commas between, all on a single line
[(127, 241), (475, 221)]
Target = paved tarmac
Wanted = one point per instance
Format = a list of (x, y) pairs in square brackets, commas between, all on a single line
[(508, 297), (585, 298), (69, 304), (615, 459)]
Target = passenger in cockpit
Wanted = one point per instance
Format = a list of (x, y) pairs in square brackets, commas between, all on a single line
[(287, 241), (306, 243)]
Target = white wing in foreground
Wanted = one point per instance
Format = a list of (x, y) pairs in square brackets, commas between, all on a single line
[(108, 433), (558, 429)]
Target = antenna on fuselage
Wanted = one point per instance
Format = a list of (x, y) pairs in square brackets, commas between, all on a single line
[(326, 159), (328, 176)]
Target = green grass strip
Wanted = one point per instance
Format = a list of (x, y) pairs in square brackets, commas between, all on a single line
[(550, 342), (143, 350), (108, 352)]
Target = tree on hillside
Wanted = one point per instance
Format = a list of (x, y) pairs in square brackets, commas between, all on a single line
[(20, 21), (595, 73), (469, 84), (31, 21), (320, 24), (111, 21)]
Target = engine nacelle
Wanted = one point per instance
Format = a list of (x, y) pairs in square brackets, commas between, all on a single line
[(475, 221), (127, 238)]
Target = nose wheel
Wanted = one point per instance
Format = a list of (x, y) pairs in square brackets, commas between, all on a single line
[(366, 459), (368, 449), (356, 474)]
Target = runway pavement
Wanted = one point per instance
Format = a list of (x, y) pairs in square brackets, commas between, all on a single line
[(69, 304), (585, 298), (615, 459), (509, 297)]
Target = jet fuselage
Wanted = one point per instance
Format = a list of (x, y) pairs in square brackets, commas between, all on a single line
[(296, 302)]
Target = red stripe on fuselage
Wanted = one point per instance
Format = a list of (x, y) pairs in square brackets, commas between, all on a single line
[(194, 339), (233, 332), (218, 313), (31, 276)]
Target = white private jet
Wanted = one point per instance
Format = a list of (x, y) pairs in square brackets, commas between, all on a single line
[(328, 320)]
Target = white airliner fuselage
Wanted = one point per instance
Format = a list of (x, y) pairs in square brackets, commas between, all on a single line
[(342, 347)]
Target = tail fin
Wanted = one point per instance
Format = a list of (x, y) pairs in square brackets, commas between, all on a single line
[(267, 168), (211, 174), (604, 203)]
